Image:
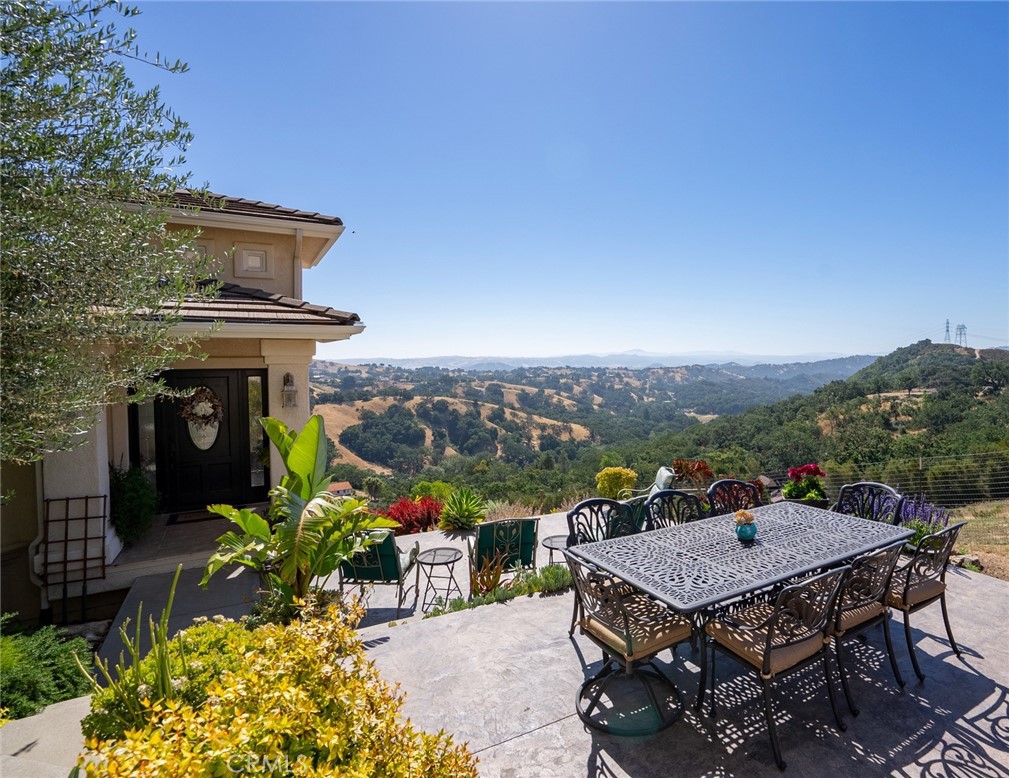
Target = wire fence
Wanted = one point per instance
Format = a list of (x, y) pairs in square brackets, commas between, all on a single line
[(974, 487)]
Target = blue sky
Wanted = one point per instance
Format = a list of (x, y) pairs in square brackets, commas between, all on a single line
[(535, 179)]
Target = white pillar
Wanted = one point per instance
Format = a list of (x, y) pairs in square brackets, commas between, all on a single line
[(83, 472)]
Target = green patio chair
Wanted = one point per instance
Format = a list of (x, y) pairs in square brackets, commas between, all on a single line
[(382, 563), (509, 542)]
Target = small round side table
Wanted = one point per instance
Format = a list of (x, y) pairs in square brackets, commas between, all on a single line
[(555, 543), (433, 560)]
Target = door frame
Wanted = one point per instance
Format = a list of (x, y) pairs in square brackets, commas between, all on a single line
[(242, 491)]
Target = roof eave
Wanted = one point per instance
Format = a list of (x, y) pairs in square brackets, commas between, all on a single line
[(320, 333), (331, 233)]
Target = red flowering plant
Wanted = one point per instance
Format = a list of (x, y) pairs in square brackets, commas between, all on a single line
[(696, 472), (805, 483), (414, 515)]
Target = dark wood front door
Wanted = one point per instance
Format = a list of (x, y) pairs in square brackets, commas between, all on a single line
[(199, 463)]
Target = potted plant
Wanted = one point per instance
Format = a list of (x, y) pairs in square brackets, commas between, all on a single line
[(805, 486), (746, 527)]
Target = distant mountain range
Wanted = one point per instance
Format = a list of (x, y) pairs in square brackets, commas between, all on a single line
[(634, 360)]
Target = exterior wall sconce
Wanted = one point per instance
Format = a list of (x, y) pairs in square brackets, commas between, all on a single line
[(289, 394)]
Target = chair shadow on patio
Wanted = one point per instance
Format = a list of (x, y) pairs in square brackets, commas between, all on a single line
[(970, 728)]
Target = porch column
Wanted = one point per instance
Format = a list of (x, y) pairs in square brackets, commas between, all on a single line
[(283, 357), (83, 472)]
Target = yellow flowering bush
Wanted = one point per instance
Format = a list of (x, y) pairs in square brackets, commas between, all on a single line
[(611, 481), (304, 702)]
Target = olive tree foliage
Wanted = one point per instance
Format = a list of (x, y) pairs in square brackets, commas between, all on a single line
[(90, 279)]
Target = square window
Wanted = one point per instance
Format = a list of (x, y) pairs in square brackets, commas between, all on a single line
[(253, 261)]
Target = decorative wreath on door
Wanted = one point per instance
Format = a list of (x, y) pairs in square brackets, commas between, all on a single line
[(203, 408)]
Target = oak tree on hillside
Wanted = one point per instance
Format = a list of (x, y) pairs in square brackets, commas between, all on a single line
[(88, 160)]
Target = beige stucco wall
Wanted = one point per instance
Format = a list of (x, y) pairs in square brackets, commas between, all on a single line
[(281, 357), (226, 353), (18, 524), (225, 244)]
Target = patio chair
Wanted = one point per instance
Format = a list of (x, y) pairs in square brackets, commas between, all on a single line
[(595, 519), (862, 604), (921, 581), (730, 495), (671, 506), (508, 542), (869, 500), (382, 563), (631, 629), (775, 639)]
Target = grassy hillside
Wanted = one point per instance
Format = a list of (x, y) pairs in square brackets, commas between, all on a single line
[(387, 418)]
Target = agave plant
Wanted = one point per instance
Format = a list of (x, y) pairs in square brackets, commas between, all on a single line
[(462, 510), (312, 531)]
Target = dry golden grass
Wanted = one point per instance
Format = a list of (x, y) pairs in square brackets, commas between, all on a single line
[(986, 534)]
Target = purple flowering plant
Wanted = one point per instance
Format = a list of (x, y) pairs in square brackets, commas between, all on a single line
[(923, 517)]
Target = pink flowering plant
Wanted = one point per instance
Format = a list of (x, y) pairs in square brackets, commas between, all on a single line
[(805, 483)]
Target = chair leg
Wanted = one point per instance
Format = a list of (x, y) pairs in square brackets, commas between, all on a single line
[(772, 730), (574, 617), (910, 646), (889, 650), (844, 678), (830, 689), (949, 630), (604, 677)]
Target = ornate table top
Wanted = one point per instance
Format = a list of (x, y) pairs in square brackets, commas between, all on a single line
[(693, 566)]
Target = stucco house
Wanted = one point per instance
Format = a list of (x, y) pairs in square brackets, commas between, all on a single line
[(261, 338)]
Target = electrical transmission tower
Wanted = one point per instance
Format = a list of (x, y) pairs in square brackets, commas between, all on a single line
[(961, 334), (946, 339)]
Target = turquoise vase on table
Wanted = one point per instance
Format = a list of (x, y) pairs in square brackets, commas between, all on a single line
[(746, 532)]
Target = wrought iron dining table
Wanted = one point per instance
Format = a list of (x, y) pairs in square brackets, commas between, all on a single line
[(695, 566)]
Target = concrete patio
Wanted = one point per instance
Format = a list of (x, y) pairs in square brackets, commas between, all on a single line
[(504, 679)]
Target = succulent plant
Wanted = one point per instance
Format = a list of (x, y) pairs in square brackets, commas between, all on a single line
[(462, 510)]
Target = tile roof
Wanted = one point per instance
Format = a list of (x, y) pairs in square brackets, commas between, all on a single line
[(239, 206), (245, 305)]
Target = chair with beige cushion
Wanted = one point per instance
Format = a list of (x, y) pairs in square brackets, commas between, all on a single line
[(775, 638), (597, 518), (921, 581), (630, 628), (862, 604)]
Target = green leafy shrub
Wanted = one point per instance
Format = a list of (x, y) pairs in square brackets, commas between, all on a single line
[(312, 531), (303, 700), (197, 657), (133, 503), (611, 481), (273, 607), (462, 510), (38, 668), (805, 483), (168, 672)]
